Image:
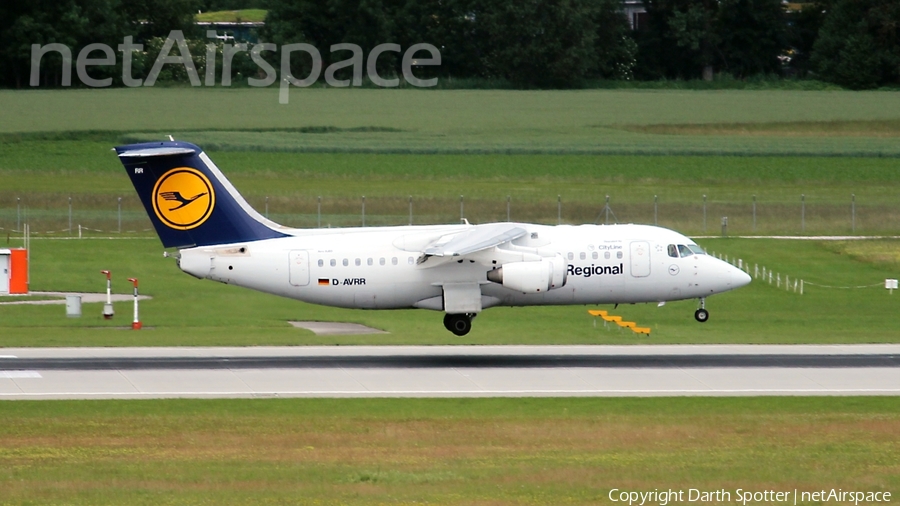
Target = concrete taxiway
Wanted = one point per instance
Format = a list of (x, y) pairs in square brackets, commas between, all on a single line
[(448, 371)]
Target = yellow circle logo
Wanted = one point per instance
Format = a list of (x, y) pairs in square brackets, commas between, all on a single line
[(183, 198)]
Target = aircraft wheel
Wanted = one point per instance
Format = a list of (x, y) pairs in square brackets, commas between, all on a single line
[(701, 315), (459, 324)]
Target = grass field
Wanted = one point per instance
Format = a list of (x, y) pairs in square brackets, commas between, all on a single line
[(44, 174), (439, 451), (236, 16), (435, 145), (466, 121), (188, 312)]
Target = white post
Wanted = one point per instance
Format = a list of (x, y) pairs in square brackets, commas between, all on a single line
[(136, 324), (108, 307), (779, 281), (801, 287), (787, 282), (755, 270)]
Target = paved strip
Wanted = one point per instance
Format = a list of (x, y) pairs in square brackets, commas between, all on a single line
[(336, 328), (449, 382), (454, 361), (86, 298), (448, 371)]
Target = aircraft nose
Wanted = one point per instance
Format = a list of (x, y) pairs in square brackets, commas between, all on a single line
[(739, 278)]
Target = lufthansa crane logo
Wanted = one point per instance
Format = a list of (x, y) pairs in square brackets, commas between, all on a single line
[(183, 198)]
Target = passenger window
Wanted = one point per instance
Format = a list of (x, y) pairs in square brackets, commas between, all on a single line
[(411, 260), (381, 261), (346, 262), (321, 263), (594, 255), (619, 255), (370, 262), (571, 256), (582, 255), (333, 262), (673, 252), (394, 261), (606, 255)]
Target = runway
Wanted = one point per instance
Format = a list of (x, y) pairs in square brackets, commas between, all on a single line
[(448, 371)]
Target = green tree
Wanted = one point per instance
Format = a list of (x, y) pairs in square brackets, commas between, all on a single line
[(677, 41), (615, 52), (803, 28), (74, 23), (685, 39), (694, 31), (543, 43), (752, 34), (451, 26), (77, 23), (859, 44), (322, 23), (156, 18)]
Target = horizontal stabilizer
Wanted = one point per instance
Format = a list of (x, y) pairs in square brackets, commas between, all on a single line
[(163, 151)]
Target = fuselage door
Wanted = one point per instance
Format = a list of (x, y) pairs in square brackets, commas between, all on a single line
[(640, 259), (299, 268)]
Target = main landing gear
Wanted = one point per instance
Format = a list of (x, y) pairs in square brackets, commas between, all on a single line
[(701, 315), (459, 324)]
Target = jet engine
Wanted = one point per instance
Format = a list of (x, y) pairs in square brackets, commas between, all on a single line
[(531, 277)]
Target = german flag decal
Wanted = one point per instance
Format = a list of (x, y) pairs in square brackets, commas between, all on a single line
[(324, 282)]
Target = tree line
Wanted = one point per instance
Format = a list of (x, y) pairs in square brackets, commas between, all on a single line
[(526, 43)]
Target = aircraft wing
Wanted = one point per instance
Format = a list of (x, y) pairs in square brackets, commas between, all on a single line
[(477, 238)]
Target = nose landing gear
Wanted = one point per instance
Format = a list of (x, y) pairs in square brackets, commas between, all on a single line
[(459, 324), (701, 315)]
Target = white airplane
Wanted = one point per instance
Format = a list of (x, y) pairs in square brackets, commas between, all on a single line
[(460, 270)]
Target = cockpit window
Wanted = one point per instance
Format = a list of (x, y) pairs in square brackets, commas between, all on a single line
[(696, 249), (684, 250)]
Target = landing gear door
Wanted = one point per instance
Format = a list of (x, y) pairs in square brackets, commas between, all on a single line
[(462, 298), (299, 268), (640, 259)]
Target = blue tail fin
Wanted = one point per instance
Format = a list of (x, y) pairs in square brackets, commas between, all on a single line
[(188, 199)]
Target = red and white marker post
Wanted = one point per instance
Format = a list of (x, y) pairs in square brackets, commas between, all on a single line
[(108, 307), (136, 324)]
